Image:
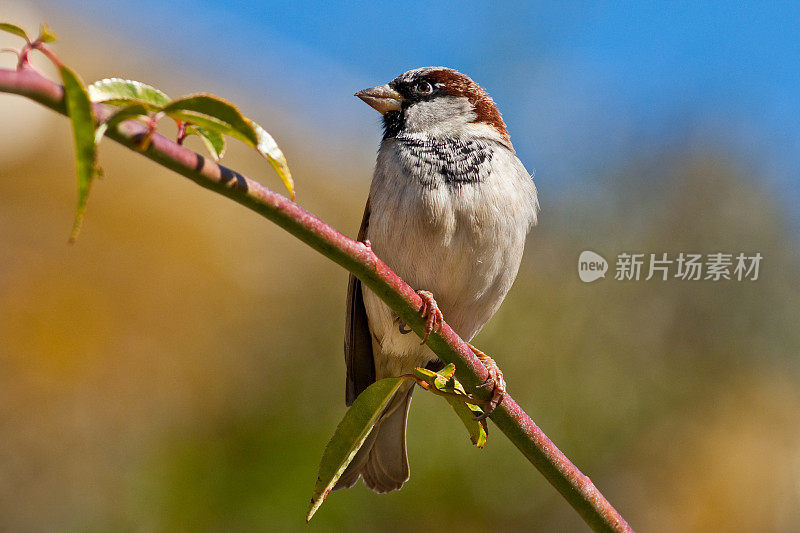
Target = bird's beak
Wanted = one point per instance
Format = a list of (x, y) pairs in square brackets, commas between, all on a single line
[(382, 98)]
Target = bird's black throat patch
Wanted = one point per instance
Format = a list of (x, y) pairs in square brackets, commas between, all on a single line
[(393, 123)]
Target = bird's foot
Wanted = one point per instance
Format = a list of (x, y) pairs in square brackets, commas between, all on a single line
[(495, 381), (431, 313)]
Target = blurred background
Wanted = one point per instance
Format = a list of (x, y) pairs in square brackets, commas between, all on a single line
[(180, 368)]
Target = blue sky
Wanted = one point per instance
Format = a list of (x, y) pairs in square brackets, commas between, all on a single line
[(578, 85)]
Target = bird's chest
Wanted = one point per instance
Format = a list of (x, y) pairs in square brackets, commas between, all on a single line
[(428, 237), (434, 220)]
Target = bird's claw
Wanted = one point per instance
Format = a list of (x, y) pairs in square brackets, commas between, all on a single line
[(489, 383), (495, 381), (431, 313)]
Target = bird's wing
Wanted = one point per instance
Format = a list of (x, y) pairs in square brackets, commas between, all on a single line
[(357, 337)]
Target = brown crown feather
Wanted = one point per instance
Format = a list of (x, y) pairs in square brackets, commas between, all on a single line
[(457, 84)]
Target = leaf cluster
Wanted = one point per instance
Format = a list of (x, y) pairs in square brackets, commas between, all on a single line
[(209, 117)]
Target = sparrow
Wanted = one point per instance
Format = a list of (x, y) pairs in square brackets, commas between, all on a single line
[(449, 209)]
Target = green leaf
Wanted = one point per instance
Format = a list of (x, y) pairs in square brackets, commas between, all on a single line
[(269, 149), (425, 374), (46, 35), (213, 140), (79, 109), (445, 384), (350, 435), (448, 371), (212, 112), (13, 28), (116, 91), (125, 113), (204, 121), (477, 429), (437, 380)]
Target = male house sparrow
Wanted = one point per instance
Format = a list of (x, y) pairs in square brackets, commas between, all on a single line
[(448, 210)]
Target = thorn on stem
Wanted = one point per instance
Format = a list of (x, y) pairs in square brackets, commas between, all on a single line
[(181, 132)]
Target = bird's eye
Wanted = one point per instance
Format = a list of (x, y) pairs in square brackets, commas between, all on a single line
[(423, 87)]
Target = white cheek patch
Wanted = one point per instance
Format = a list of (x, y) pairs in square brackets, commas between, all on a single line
[(442, 116)]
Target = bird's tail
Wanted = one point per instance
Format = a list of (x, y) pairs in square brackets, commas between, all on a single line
[(382, 459)]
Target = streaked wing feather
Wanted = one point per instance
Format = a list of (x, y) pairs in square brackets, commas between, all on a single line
[(357, 338)]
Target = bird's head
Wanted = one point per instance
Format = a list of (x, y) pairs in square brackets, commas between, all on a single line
[(436, 102)]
